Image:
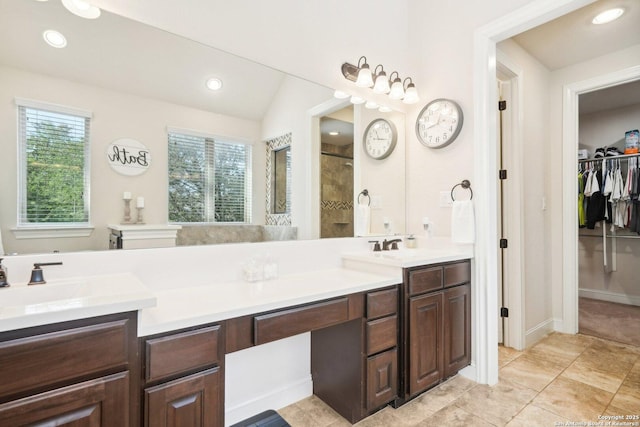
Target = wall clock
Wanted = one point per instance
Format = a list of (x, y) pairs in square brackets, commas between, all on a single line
[(379, 139), (439, 123)]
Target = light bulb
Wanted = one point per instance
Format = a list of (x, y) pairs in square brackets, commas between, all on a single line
[(364, 76), (382, 83), (397, 91)]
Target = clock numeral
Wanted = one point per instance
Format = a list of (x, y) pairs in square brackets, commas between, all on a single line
[(430, 138), (450, 128), (437, 139), (444, 137)]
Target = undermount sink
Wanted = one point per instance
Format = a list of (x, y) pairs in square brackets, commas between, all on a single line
[(413, 253), (410, 257)]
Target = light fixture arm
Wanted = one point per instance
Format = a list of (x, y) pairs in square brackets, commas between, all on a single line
[(365, 61), (391, 79), (404, 83)]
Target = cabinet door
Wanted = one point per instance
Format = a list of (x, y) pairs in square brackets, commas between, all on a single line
[(457, 329), (382, 379), (425, 342), (194, 401), (103, 402)]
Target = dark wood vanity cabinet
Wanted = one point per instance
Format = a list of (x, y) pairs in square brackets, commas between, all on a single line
[(74, 373), (183, 378), (354, 364), (436, 305)]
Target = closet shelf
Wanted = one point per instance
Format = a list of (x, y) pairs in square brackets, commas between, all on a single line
[(621, 157), (610, 236)]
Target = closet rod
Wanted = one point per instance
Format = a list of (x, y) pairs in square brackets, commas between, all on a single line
[(610, 236), (621, 157)]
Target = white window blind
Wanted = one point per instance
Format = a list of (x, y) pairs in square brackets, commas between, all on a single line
[(209, 179), (54, 159)]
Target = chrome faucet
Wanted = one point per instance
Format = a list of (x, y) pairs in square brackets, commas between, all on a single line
[(393, 243), (37, 278)]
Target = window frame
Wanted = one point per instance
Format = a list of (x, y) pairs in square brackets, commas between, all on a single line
[(209, 198), (50, 229)]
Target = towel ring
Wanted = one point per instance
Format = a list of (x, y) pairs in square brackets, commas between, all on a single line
[(365, 193), (464, 184)]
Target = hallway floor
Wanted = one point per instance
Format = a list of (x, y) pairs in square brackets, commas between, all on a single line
[(609, 320), (563, 378)]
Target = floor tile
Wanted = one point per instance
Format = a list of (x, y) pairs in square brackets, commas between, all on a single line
[(496, 404), (532, 416), (531, 371), (318, 410), (442, 395), (628, 398), (412, 412), (383, 418), (454, 416), (506, 355), (573, 400), (560, 349), (605, 379)]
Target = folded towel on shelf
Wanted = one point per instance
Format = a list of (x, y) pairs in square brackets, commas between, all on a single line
[(463, 229), (363, 220)]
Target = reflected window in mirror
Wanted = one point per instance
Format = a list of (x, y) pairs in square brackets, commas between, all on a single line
[(279, 181), (209, 179), (54, 158)]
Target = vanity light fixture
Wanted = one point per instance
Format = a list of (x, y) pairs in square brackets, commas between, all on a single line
[(54, 38), (214, 83), (608, 16), (82, 8), (381, 84), (397, 89), (394, 86), (410, 92), (334, 133)]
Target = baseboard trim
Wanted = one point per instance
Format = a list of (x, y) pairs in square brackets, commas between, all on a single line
[(609, 296), (558, 325), (538, 332), (275, 399)]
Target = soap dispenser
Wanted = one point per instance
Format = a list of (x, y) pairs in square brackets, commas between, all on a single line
[(3, 275)]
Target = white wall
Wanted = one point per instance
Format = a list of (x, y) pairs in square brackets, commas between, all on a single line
[(115, 115), (288, 112), (597, 130), (614, 61), (534, 83)]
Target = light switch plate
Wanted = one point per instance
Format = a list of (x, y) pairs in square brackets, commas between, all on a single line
[(445, 199)]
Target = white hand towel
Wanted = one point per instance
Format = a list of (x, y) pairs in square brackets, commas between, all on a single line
[(363, 220), (463, 228)]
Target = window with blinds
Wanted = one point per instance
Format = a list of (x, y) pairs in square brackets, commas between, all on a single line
[(209, 179), (54, 159)]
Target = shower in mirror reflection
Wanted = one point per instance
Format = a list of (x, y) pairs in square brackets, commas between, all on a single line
[(336, 174)]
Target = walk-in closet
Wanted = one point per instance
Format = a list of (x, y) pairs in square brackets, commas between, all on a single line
[(609, 214)]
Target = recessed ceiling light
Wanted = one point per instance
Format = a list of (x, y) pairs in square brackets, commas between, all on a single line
[(54, 38), (214, 83), (340, 94), (81, 8), (334, 133), (608, 16)]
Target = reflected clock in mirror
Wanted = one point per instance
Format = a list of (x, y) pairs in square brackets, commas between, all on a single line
[(380, 138)]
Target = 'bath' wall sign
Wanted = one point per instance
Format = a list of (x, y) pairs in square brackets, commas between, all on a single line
[(128, 156)]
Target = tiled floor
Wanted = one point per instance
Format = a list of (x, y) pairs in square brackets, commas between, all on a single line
[(562, 379)]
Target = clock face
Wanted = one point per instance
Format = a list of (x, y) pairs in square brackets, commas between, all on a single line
[(439, 123), (380, 139)]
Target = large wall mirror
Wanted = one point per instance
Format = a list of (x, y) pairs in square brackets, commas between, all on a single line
[(140, 83)]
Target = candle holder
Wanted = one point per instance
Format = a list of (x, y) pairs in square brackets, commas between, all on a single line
[(140, 219), (127, 212)]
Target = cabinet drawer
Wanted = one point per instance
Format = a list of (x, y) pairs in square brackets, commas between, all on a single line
[(174, 354), (57, 357), (457, 274), (425, 280), (382, 334), (382, 303), (286, 323)]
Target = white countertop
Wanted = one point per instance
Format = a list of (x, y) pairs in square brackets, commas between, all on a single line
[(405, 258), (185, 307), (23, 306)]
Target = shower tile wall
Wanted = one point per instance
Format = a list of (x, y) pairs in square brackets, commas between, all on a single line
[(336, 204)]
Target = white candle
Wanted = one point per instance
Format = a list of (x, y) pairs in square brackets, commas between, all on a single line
[(140, 203), (127, 195)]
